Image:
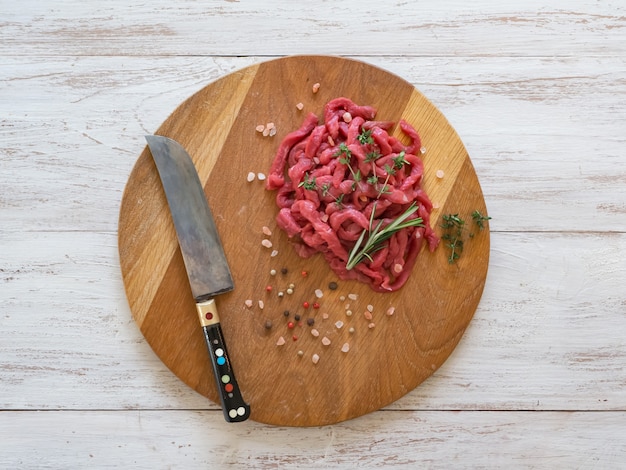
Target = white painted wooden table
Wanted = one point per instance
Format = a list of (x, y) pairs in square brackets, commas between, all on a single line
[(537, 92)]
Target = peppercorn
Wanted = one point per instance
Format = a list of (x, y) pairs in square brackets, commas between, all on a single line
[(310, 321), (297, 317), (268, 325), (332, 286), (286, 313)]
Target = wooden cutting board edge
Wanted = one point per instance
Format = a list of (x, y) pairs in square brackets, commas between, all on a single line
[(416, 97)]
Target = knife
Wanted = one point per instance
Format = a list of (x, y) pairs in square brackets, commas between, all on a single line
[(204, 258)]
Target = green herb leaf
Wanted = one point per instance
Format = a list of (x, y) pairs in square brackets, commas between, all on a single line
[(372, 156), (308, 183), (399, 161), (480, 219), (376, 236), (365, 137)]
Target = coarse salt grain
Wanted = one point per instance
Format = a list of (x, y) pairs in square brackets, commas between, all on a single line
[(315, 333), (370, 308), (316, 87), (423, 150), (266, 230), (371, 325), (345, 348), (260, 128), (367, 315), (339, 324), (439, 174), (251, 177), (353, 296), (280, 341), (315, 358), (391, 311), (300, 106), (325, 316), (261, 304), (261, 176), (270, 125), (266, 132), (249, 303), (266, 243), (325, 341), (318, 293), (272, 132), (274, 253), (347, 117)]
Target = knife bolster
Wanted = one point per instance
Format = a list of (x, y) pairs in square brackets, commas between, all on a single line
[(207, 313)]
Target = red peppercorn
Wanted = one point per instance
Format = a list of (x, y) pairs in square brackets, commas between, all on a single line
[(304, 274), (268, 288), (295, 338), (316, 305), (305, 304), (290, 325)]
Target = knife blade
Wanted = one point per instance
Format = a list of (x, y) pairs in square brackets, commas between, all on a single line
[(204, 258)]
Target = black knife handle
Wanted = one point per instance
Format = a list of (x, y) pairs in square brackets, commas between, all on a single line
[(234, 407)]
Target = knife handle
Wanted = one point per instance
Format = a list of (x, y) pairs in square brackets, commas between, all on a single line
[(234, 407)]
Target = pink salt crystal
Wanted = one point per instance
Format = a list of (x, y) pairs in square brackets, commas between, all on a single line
[(391, 311), (325, 341), (249, 303), (315, 333), (280, 341), (367, 315), (371, 325), (315, 358), (345, 348)]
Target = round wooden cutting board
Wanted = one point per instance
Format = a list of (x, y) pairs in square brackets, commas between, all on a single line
[(281, 382)]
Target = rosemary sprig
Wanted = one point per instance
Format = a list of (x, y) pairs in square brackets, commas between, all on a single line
[(377, 235)]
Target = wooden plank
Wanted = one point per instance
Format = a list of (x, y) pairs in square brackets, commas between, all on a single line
[(421, 439), (533, 28), (70, 145), (548, 334)]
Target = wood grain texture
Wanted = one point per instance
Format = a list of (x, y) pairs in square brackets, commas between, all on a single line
[(418, 439), (384, 363), (536, 89)]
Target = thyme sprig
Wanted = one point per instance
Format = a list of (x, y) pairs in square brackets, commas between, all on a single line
[(454, 227), (453, 237), (376, 236)]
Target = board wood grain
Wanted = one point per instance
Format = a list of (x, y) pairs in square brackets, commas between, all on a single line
[(217, 127)]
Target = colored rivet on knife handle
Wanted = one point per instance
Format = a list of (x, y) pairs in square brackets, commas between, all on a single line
[(233, 405)]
